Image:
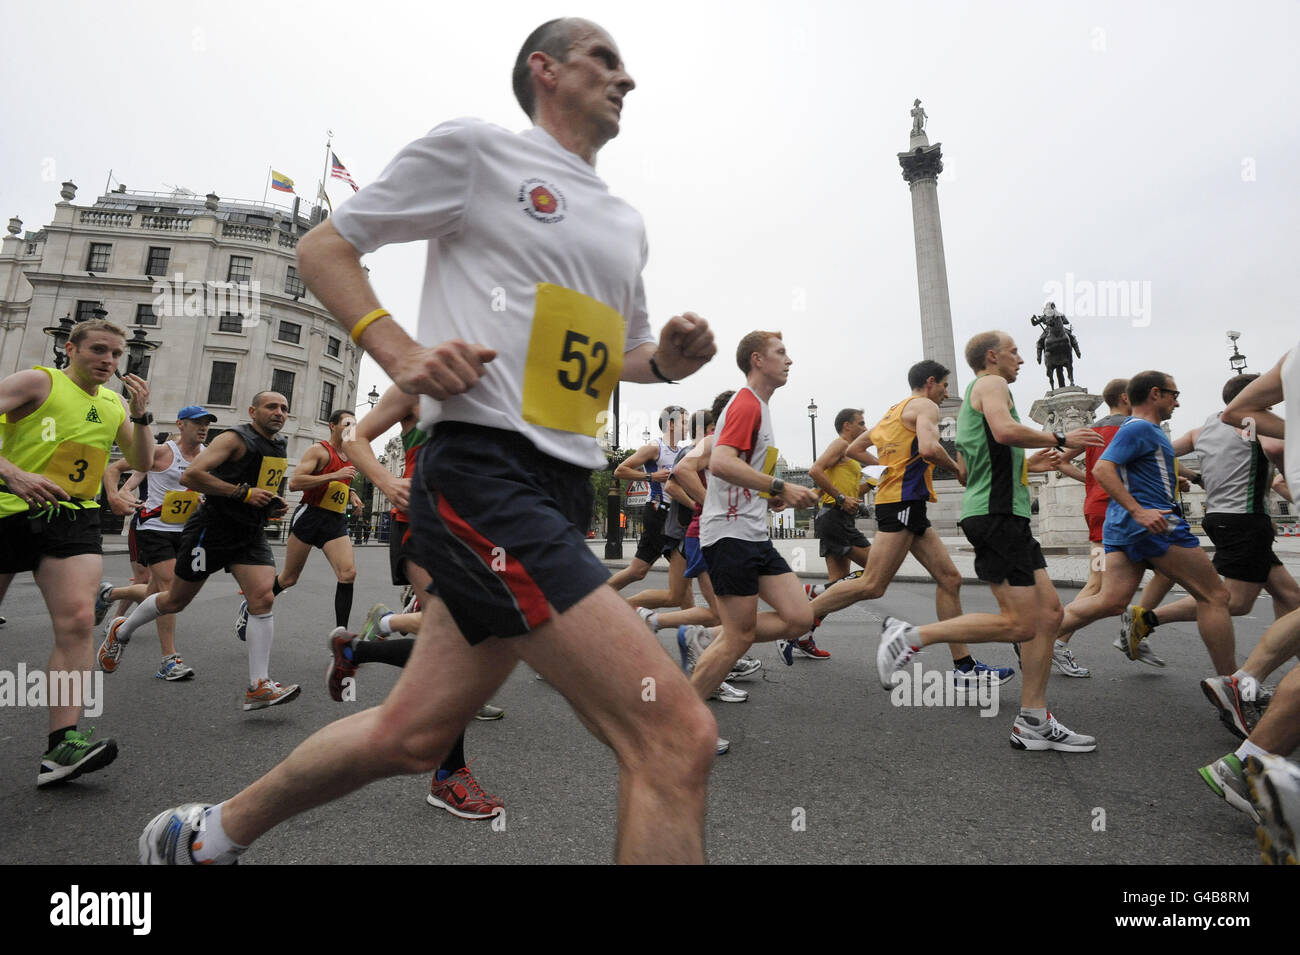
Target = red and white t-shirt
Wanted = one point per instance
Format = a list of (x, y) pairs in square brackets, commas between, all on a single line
[(731, 511)]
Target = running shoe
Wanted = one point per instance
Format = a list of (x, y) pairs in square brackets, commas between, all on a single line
[(102, 600), (461, 795), (241, 621), (489, 712), (370, 629), (166, 839), (269, 693), (1225, 694), (722, 747), (1144, 652), (1227, 777), (341, 666), (786, 649), (1134, 627), (76, 754), (3, 621), (1051, 735), (1063, 660), (973, 676), (688, 646), (174, 668), (645, 613), (1275, 788), (744, 667), (809, 591), (111, 650), (729, 694), (899, 642), (410, 602), (808, 648)]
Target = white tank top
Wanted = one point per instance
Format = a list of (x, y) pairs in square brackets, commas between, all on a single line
[(1291, 393), (160, 482)]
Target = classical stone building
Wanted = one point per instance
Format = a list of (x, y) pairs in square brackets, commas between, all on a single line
[(212, 282)]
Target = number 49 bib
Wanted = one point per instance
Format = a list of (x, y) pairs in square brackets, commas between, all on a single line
[(575, 357)]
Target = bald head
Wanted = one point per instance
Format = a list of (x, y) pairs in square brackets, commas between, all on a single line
[(555, 39)]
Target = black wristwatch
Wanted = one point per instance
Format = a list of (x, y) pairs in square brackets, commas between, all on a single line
[(1060, 440), (777, 486), (147, 419)]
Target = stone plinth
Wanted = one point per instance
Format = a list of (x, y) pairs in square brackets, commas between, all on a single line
[(1060, 499)]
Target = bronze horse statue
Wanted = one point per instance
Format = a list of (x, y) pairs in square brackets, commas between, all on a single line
[(1057, 340)]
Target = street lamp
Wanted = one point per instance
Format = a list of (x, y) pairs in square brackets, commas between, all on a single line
[(137, 347), (812, 419), (373, 398), (1236, 361), (60, 333), (613, 502), (645, 436)]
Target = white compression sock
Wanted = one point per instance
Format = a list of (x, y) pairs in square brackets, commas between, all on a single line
[(211, 844), (147, 612), (261, 631)]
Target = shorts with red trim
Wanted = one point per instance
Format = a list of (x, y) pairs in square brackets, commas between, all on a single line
[(495, 522), (399, 543), (1096, 521), (132, 543)]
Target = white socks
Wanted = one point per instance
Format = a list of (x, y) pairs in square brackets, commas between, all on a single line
[(147, 612), (261, 631)]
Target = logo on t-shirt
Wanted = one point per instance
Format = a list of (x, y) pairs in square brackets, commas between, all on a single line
[(542, 200), (93, 415)]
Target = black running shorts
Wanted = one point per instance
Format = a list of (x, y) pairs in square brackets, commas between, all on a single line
[(206, 548), (317, 526), (837, 532), (1005, 549), (1243, 546), (735, 566), (157, 547), (902, 516), (50, 532)]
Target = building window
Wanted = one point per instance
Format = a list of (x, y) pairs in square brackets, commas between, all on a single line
[(326, 401), (332, 346), (86, 310), (293, 285), (289, 332), (159, 259), (241, 269), (222, 389), (282, 382), (97, 260), (145, 315), (231, 323)]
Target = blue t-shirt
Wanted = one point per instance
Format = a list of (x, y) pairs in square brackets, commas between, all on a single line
[(1144, 457)]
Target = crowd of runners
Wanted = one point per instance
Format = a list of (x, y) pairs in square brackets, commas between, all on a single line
[(498, 398)]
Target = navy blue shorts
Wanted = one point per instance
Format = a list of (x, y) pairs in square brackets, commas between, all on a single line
[(496, 523), (317, 526), (735, 566), (695, 564), (1149, 545)]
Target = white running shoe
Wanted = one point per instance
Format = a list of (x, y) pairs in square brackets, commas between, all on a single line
[(645, 613), (729, 694), (1049, 735), (899, 643), (744, 667), (1063, 660)]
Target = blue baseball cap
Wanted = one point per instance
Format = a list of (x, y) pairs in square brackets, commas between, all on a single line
[(195, 413)]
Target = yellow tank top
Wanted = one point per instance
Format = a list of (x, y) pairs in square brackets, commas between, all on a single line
[(908, 476), (67, 439), (845, 477)]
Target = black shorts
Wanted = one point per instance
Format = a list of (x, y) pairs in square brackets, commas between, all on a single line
[(496, 523), (399, 543), (1243, 545), (735, 566), (59, 532), (206, 548), (902, 516), (317, 526), (156, 547), (1005, 549), (837, 532), (651, 545)]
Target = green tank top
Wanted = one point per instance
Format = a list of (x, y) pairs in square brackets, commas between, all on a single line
[(997, 476), (67, 439)]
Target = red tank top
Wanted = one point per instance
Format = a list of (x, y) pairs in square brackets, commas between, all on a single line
[(313, 496)]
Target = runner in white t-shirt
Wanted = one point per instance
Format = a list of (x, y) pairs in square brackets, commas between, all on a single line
[(743, 564), (533, 308)]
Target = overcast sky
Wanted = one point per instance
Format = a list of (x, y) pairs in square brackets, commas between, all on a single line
[(1085, 143)]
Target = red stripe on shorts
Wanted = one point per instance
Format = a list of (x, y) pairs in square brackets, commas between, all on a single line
[(529, 597)]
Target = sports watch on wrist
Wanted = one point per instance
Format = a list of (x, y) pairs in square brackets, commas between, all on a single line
[(777, 486), (146, 418)]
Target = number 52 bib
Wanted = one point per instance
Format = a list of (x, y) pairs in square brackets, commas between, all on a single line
[(575, 357)]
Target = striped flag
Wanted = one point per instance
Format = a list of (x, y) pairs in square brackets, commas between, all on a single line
[(281, 182), (339, 171)]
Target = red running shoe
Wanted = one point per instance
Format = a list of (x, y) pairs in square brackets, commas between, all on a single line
[(461, 795), (341, 667), (808, 647)]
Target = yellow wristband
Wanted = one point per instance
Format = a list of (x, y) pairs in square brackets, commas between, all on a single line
[(362, 325), (247, 495)]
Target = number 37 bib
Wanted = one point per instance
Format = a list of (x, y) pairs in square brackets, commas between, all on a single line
[(575, 357)]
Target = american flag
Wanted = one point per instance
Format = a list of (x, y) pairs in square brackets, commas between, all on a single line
[(339, 171)]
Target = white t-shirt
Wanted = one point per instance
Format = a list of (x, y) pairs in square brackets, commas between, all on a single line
[(163, 482), (729, 510), (505, 212), (1291, 396)]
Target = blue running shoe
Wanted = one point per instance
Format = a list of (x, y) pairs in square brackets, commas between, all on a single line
[(241, 621), (786, 649), (980, 673), (103, 601), (688, 646)]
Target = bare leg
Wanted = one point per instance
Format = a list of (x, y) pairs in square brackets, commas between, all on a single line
[(296, 552), (1118, 584), (1191, 568), (1092, 587), (930, 552), (68, 586)]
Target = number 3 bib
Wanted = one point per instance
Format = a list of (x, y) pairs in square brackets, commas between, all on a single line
[(575, 357)]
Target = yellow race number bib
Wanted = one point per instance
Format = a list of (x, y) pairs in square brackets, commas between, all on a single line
[(272, 474), (336, 497), (179, 506), (77, 468), (575, 357)]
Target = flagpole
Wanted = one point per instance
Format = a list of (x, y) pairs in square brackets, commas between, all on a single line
[(266, 184), (325, 172)]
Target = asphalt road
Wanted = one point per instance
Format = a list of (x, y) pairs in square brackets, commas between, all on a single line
[(823, 769)]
